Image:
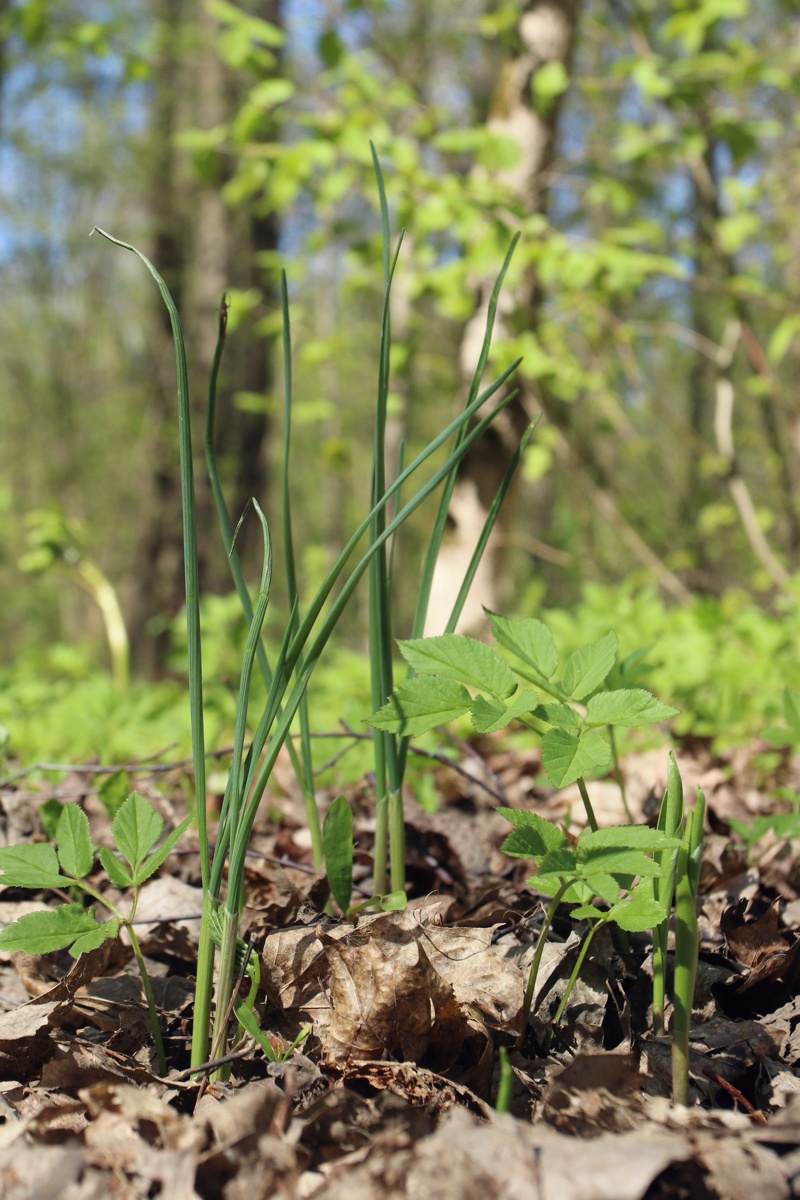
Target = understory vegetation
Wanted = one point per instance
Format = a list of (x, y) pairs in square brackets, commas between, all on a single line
[(400, 732)]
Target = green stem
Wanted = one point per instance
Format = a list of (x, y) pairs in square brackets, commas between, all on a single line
[(587, 804), (686, 948), (227, 971), (617, 771), (576, 970), (537, 957), (151, 1002), (397, 842), (504, 1087)]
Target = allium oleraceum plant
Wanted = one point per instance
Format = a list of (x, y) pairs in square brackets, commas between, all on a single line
[(137, 827)]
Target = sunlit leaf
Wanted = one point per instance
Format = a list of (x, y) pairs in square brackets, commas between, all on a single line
[(461, 658), (566, 758), (53, 929), (533, 836), (33, 866), (588, 666), (136, 828), (420, 704), (75, 850), (627, 707), (528, 640)]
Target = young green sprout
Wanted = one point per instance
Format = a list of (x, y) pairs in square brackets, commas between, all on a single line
[(135, 829), (686, 946)]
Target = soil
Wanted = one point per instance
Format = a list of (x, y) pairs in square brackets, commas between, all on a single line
[(393, 1092)]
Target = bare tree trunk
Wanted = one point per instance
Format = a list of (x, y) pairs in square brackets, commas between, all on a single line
[(545, 34)]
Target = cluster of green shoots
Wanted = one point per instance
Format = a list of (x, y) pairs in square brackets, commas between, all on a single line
[(306, 633), (630, 870)]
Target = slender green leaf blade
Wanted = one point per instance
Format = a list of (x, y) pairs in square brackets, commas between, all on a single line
[(528, 640), (533, 836), (44, 932), (791, 710), (627, 707), (33, 866), (75, 850), (488, 714), (422, 703), (115, 869), (90, 941), (588, 666), (337, 844), (151, 864), (565, 758), (136, 828), (461, 658), (249, 1023)]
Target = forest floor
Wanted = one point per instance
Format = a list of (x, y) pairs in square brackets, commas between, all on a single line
[(391, 1094)]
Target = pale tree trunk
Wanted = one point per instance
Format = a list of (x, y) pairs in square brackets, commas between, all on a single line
[(545, 34)]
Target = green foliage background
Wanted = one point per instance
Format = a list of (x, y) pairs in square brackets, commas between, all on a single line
[(657, 281)]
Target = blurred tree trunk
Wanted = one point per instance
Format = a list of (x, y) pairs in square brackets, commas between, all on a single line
[(201, 249), (544, 36)]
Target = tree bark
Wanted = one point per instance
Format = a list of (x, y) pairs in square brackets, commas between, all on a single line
[(545, 34)]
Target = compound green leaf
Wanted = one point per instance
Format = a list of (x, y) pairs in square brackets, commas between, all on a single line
[(136, 828), (337, 846), (625, 837), (33, 866), (488, 714), (533, 836), (420, 704), (74, 841), (588, 666), (115, 869), (90, 941), (617, 861), (461, 658), (627, 707), (565, 758), (562, 716), (640, 911), (528, 640), (151, 864), (53, 929)]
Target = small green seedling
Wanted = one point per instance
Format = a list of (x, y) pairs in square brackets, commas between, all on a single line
[(687, 945), (679, 879), (615, 866), (136, 829), (337, 841), (454, 676), (670, 820)]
